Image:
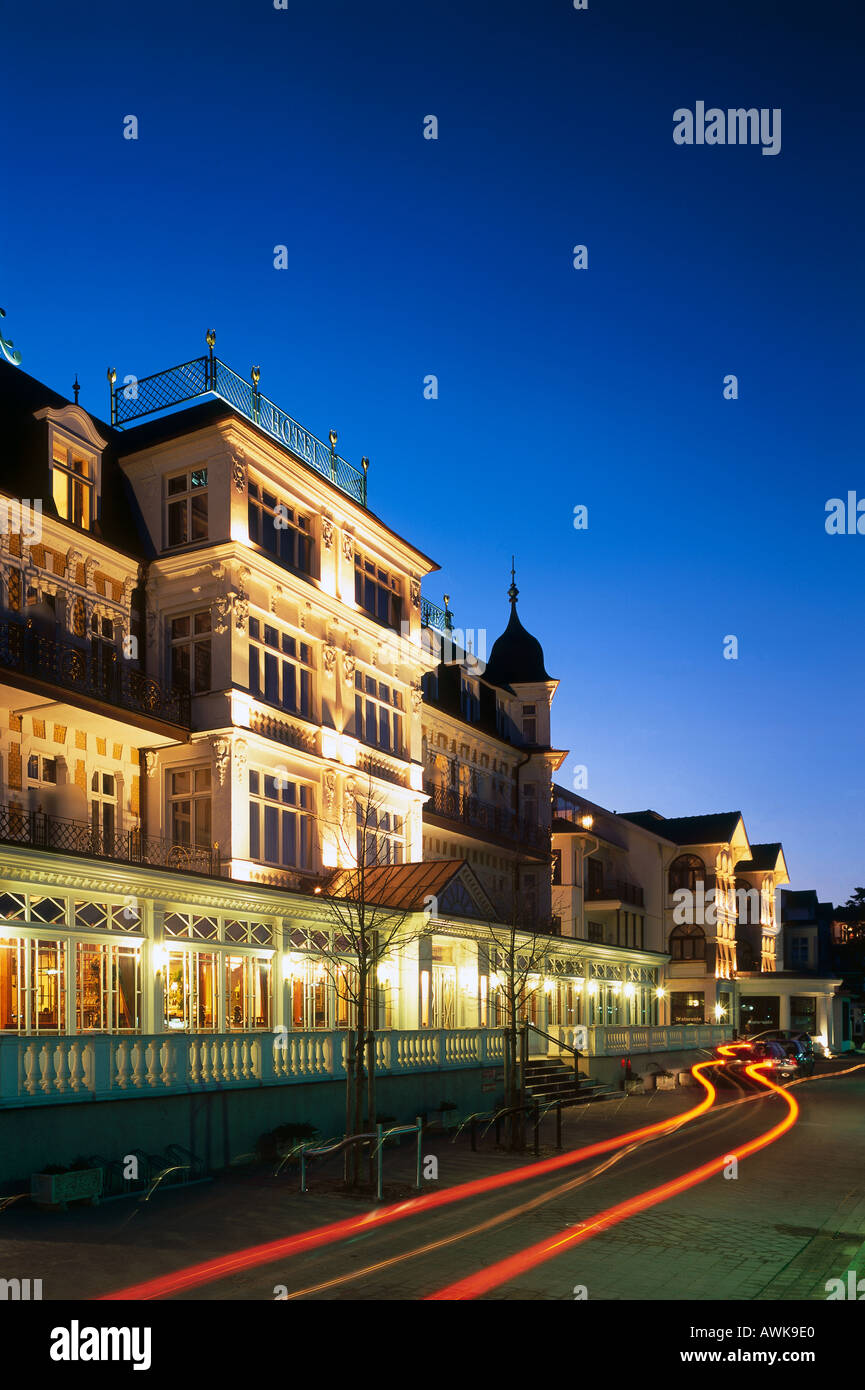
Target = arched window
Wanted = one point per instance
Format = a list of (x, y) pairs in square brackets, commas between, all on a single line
[(747, 903), (688, 943), (686, 872)]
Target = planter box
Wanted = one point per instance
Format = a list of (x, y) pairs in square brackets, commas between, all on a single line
[(634, 1085), (56, 1189), (665, 1081)]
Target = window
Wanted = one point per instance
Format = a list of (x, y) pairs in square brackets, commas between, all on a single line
[(799, 951), (594, 878), (688, 943), (280, 529), (48, 987), (247, 992), (530, 724), (429, 684), (378, 714), (189, 807), (103, 808), (470, 705), (190, 991), (687, 1008), (107, 988), (72, 476), (186, 507), (557, 866), (380, 836), (686, 872), (377, 590), (41, 769), (11, 984), (280, 668), (803, 1013), (190, 652), (280, 821)]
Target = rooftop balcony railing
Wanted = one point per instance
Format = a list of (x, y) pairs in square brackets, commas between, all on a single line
[(30, 652), (615, 888), (442, 619), (208, 376), (39, 830), (475, 814)]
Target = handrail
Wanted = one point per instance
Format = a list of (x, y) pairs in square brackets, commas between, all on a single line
[(567, 1046), (380, 1135)]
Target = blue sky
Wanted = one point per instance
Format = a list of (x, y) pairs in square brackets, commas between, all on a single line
[(557, 387)]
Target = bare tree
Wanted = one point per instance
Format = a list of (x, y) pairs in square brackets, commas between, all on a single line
[(370, 918), (519, 952)]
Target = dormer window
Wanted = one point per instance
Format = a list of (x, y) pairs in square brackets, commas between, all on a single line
[(75, 464), (72, 477)]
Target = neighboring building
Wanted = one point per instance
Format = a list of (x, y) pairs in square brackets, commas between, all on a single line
[(700, 858), (803, 992)]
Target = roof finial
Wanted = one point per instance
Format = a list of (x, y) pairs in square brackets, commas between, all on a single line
[(513, 591), (76, 387)]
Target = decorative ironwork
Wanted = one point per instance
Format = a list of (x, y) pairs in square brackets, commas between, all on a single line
[(442, 619), (103, 677), (481, 815), (208, 376), (39, 830), (7, 347)]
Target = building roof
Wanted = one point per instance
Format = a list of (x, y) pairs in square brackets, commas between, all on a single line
[(26, 463), (716, 828), (762, 857), (409, 887), (516, 657)]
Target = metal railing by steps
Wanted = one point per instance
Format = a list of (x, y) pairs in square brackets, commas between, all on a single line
[(550, 1079)]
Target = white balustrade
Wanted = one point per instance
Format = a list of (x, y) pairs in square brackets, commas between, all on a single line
[(38, 1070)]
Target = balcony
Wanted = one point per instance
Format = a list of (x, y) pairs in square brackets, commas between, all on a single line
[(43, 660), (208, 376), (38, 830), (472, 814), (614, 890)]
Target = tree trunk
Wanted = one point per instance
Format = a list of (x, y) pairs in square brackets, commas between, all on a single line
[(349, 1068), (370, 1083)]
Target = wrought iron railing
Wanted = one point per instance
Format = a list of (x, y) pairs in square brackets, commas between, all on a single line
[(615, 888), (104, 676), (481, 815), (442, 619), (208, 376), (39, 830)]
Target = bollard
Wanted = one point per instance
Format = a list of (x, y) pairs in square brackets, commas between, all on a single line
[(418, 1183), (559, 1125)]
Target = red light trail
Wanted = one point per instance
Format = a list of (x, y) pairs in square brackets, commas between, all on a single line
[(224, 1265), (505, 1270)]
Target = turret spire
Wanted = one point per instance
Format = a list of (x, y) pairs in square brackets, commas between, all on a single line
[(513, 591)]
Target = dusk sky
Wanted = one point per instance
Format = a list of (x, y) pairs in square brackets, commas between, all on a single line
[(557, 387)]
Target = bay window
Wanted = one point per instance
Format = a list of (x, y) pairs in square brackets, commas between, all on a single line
[(280, 821), (280, 668), (378, 716)]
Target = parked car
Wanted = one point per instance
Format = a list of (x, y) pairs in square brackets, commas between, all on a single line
[(803, 1057), (750, 1050), (786, 1035)]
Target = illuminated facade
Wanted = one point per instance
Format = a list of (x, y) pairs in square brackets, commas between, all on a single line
[(220, 689)]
